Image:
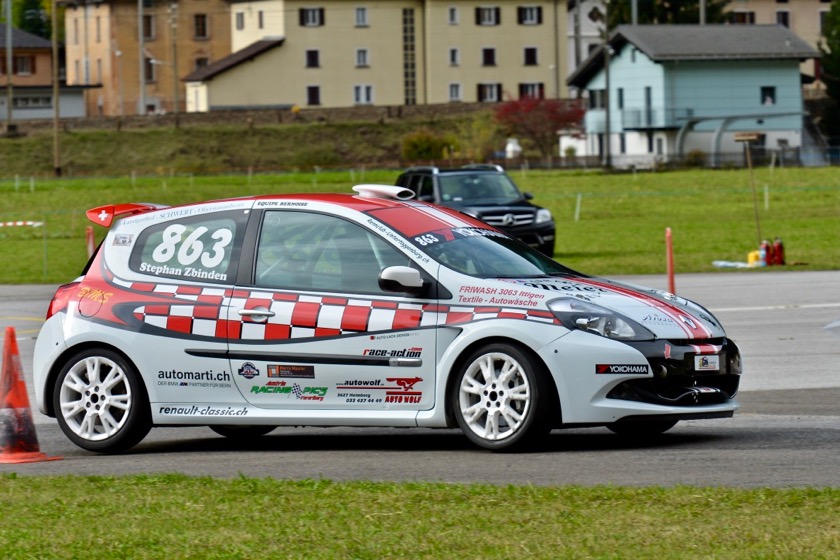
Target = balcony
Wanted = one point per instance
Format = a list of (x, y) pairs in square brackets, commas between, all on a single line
[(649, 118), (636, 119)]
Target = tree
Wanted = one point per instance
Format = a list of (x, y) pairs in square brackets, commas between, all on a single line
[(33, 18), (830, 63), (537, 120), (668, 12)]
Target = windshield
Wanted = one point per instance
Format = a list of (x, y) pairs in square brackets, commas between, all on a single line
[(486, 253), (484, 188)]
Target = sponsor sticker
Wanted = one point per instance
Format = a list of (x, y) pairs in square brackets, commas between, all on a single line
[(707, 363), (621, 369), (290, 370), (249, 370), (123, 239)]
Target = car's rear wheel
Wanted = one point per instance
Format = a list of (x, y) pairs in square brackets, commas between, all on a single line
[(100, 402), (500, 398), (242, 432), (642, 428)]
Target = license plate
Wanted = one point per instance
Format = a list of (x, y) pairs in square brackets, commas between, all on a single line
[(707, 363)]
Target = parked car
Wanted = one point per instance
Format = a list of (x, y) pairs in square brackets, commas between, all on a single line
[(361, 310), (488, 193)]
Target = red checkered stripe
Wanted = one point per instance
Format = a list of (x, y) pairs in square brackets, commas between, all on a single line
[(299, 316)]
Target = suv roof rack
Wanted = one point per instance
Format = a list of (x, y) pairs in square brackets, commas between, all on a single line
[(431, 168), (487, 166)]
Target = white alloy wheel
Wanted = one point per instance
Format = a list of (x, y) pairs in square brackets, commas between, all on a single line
[(498, 403), (99, 402)]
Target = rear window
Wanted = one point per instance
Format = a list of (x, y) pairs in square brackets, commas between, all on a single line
[(201, 248)]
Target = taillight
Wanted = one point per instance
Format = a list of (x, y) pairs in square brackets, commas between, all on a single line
[(61, 297)]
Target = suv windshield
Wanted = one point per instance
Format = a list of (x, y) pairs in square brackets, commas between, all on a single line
[(485, 188), (487, 253)]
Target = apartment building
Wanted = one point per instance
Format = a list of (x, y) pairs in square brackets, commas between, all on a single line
[(805, 18), (339, 53), (103, 50)]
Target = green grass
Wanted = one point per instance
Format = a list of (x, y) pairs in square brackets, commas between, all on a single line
[(173, 516), (620, 228)]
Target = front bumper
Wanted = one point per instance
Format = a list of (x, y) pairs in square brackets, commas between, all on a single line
[(677, 381)]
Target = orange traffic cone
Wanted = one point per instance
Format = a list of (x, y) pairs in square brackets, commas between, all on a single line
[(18, 442)]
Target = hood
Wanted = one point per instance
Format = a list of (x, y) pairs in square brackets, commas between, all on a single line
[(664, 314)]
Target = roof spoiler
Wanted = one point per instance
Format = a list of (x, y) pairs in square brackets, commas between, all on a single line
[(105, 215)]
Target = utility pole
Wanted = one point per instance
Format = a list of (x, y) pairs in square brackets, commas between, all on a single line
[(56, 93), (9, 67), (173, 23), (141, 108)]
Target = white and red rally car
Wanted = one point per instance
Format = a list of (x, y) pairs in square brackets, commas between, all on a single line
[(361, 310)]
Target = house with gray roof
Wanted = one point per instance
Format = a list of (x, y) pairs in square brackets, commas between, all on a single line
[(659, 92), (32, 79)]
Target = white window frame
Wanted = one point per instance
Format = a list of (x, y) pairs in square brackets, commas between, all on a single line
[(492, 87), (240, 21), (530, 89), (201, 26), (362, 58), (454, 56), (530, 15), (149, 30), (22, 65), (525, 56), (312, 17), (363, 94), (489, 51), (487, 15), (455, 93), (454, 15), (362, 16)]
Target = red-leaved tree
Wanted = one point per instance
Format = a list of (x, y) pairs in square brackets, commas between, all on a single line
[(538, 120)]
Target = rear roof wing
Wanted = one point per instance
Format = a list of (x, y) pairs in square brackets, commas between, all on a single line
[(105, 215)]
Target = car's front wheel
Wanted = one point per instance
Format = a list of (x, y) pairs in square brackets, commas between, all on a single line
[(500, 398), (100, 402)]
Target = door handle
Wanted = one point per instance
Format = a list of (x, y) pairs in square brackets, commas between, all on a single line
[(257, 313)]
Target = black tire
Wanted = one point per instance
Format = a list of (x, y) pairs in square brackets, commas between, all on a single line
[(642, 428), (242, 432), (547, 249), (100, 402), (500, 398)]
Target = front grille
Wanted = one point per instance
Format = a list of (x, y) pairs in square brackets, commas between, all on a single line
[(675, 382), (508, 219)]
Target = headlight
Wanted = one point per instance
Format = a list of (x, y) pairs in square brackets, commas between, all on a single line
[(543, 215), (587, 316)]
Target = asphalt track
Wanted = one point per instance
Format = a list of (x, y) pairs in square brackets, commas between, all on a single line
[(786, 434)]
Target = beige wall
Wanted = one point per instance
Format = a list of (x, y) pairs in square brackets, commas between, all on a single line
[(280, 76), (114, 48), (804, 18), (273, 22), (509, 40)]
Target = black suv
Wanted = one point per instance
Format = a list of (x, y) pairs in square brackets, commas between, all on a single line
[(485, 192)]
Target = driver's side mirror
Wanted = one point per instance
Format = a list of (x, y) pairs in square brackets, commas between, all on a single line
[(401, 279)]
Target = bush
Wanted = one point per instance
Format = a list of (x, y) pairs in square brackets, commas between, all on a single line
[(695, 158), (425, 145)]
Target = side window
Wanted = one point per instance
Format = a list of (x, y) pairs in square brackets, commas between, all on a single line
[(308, 251), (426, 188), (202, 248)]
